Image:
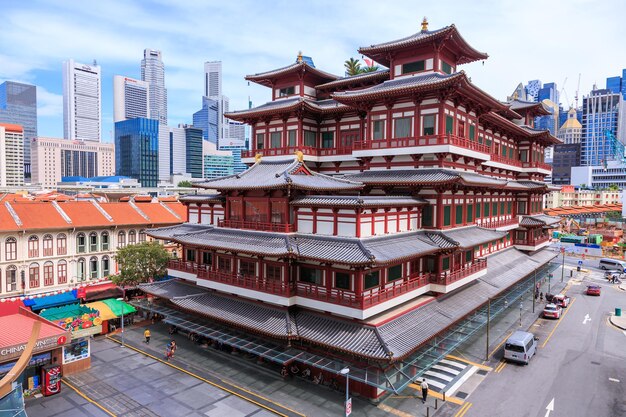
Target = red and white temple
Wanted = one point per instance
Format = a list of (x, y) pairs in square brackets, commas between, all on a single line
[(369, 202)]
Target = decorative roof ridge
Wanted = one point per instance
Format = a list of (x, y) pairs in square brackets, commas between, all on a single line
[(348, 79), (382, 342), (431, 234), (101, 210), (63, 214), (296, 65), (13, 214), (141, 213)]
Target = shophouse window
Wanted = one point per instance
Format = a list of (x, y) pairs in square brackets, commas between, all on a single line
[(33, 275), (378, 129), (33, 247), (10, 249), (311, 275), (371, 279), (328, 140), (61, 244), (11, 278), (80, 269), (132, 237), (428, 125), (275, 139), (93, 267), (93, 242), (62, 272), (142, 236), (121, 239), (342, 280), (48, 245), (104, 238), (394, 273), (402, 127), (106, 266)]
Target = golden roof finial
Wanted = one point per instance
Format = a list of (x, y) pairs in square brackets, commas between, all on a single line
[(299, 156), (299, 60), (257, 157), (424, 24)]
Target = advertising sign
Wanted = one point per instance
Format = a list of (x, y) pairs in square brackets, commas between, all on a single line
[(77, 350)]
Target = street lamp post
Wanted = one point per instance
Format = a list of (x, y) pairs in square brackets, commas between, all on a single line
[(122, 299), (520, 313), (563, 264), (347, 406)]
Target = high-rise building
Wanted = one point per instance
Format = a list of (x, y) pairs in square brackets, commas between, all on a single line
[(164, 153), (548, 92), (216, 163), (55, 158), (604, 117), (207, 120), (178, 151), (131, 98), (548, 122), (18, 105), (571, 131), (213, 90), (193, 151), (11, 155), (137, 150), (236, 147), (532, 90), (564, 115), (82, 101), (617, 84), (153, 71)]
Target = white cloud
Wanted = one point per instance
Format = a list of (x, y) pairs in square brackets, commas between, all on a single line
[(49, 104)]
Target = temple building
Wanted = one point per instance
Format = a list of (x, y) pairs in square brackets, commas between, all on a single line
[(378, 211)]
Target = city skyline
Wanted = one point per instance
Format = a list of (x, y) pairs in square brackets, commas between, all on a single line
[(31, 56)]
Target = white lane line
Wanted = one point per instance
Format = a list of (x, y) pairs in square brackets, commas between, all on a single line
[(447, 378), (453, 363), (434, 383), (446, 369), (613, 380)]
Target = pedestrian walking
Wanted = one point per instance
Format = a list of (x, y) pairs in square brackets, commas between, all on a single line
[(169, 350), (146, 335), (424, 386)]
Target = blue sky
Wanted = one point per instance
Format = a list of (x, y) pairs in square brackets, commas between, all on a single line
[(548, 40)]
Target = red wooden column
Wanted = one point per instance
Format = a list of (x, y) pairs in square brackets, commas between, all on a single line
[(295, 219), (389, 121), (285, 136), (373, 223), (416, 118), (300, 134), (314, 210), (358, 212), (337, 132), (335, 221), (358, 285), (439, 209), (386, 230)]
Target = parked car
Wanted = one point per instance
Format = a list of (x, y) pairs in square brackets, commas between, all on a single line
[(593, 290), (561, 300), (552, 311)]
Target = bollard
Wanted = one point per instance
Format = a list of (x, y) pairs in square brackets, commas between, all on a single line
[(444, 396), (435, 403), (427, 411)]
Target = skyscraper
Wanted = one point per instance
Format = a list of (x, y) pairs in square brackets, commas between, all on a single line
[(11, 155), (207, 120), (604, 116), (617, 84), (18, 105), (130, 98), (137, 150), (178, 151), (153, 71), (193, 151), (82, 101), (213, 90)]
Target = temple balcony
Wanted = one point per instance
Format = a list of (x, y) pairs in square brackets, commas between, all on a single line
[(499, 223), (537, 166), (204, 276), (429, 144), (531, 243), (499, 161), (261, 226), (368, 298), (447, 281), (310, 153)]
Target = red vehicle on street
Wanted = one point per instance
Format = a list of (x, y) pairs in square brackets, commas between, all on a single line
[(593, 290), (561, 300), (552, 311)]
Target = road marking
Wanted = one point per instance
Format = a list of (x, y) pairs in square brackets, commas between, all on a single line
[(587, 318), (500, 344), (500, 366), (463, 410), (613, 380), (550, 408), (394, 411), (79, 392), (243, 397), (559, 322), (624, 331), (478, 365), (437, 395)]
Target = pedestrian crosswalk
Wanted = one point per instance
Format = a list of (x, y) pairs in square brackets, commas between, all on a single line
[(444, 373)]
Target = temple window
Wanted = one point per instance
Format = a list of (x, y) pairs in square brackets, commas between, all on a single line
[(273, 272), (311, 275), (287, 91), (291, 137), (449, 124), (468, 256), (309, 138), (371, 279), (275, 139), (459, 215), (378, 128), (260, 138), (191, 255), (402, 127), (487, 210), (279, 208), (247, 268), (478, 206), (445, 263), (223, 264), (523, 156), (415, 66), (445, 67), (427, 216), (394, 273), (480, 139), (470, 213), (342, 280), (206, 258), (446, 215), (461, 129), (428, 125), (328, 140), (472, 132)]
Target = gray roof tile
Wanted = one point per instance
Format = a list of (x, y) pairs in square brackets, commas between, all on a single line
[(357, 201), (172, 289)]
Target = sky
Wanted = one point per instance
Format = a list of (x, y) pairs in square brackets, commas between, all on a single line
[(553, 41)]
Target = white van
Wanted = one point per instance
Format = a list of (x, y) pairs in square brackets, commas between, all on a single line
[(520, 347), (608, 263)]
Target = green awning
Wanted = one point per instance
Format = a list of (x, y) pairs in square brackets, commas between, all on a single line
[(117, 306), (70, 310)]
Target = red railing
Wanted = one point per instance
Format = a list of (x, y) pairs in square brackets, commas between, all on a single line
[(447, 139), (334, 151), (532, 241), (287, 150), (499, 223), (449, 277), (537, 164), (505, 160), (265, 227), (367, 298), (242, 281)]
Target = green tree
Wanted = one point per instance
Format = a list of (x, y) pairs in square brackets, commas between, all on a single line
[(613, 187), (141, 263), (185, 184), (370, 69), (353, 66)]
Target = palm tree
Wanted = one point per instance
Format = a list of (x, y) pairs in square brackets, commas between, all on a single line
[(353, 66), (370, 69)]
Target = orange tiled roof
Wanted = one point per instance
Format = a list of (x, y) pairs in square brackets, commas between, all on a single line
[(12, 127)]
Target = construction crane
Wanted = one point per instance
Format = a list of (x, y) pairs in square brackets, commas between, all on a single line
[(616, 148), (563, 91), (577, 90)]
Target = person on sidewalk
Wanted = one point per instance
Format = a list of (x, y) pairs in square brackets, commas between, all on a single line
[(424, 386), (146, 335)]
